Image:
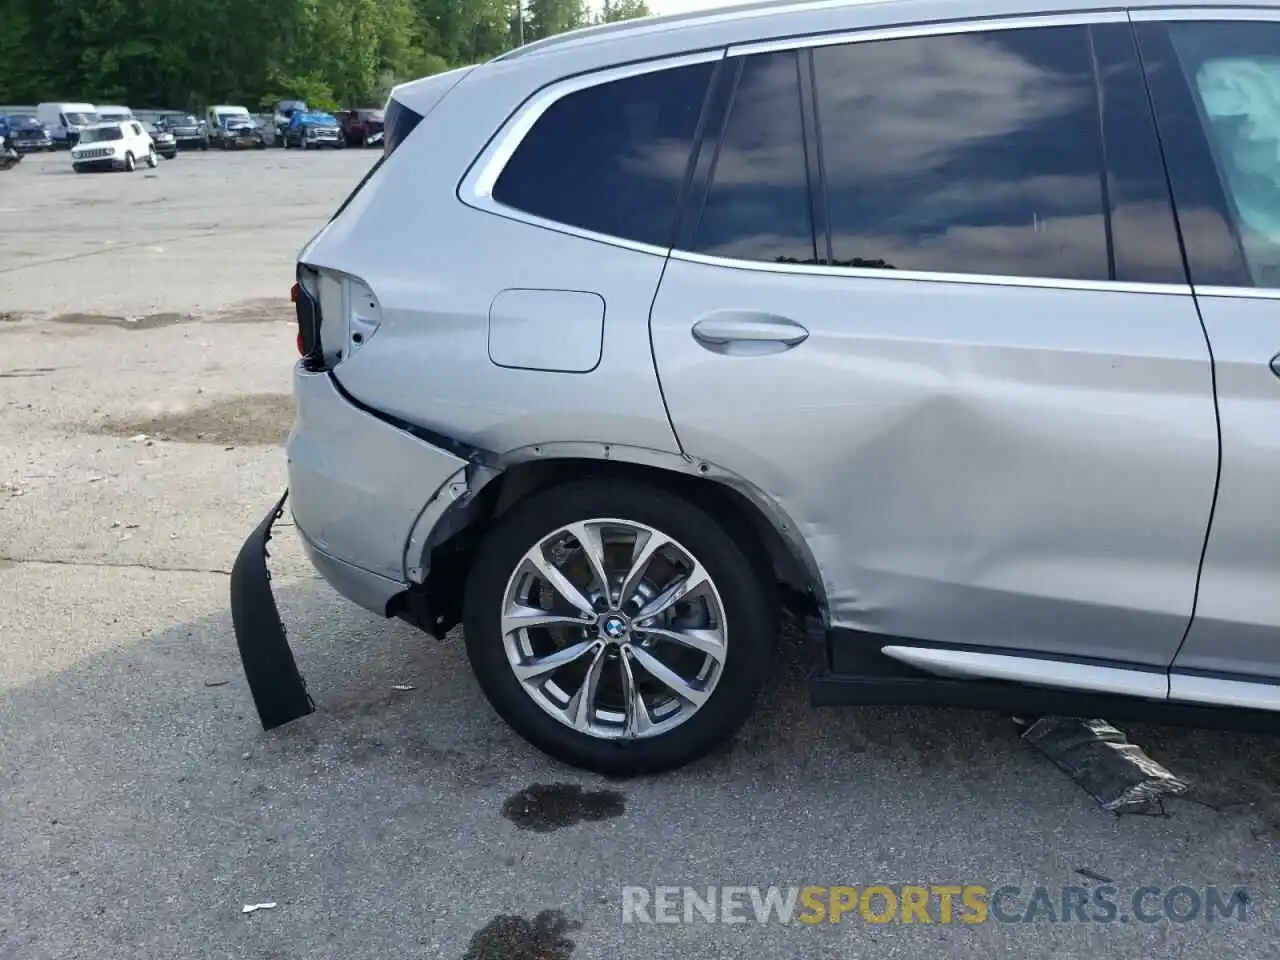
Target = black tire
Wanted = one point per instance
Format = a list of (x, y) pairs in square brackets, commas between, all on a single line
[(204, 145), (153, 160), (130, 164), (746, 589)]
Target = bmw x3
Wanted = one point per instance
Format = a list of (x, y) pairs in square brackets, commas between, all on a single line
[(949, 329)]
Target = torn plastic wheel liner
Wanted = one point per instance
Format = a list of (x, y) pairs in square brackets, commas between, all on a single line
[(278, 689), (1100, 759)]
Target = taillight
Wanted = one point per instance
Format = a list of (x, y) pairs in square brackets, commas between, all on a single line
[(306, 308), (337, 315)]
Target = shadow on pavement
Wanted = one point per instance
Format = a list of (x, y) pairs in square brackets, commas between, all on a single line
[(143, 804)]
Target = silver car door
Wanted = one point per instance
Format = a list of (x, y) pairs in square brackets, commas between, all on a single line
[(1215, 81), (966, 365)]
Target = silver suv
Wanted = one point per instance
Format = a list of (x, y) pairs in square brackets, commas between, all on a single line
[(949, 328)]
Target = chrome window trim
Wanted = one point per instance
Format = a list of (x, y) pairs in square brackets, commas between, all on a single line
[(1240, 293), (926, 276), (933, 29), (476, 187), (1157, 14)]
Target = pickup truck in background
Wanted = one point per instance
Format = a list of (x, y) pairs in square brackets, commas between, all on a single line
[(362, 127), (282, 114)]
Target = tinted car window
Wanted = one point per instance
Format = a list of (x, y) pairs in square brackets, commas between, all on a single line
[(1232, 69), (610, 158), (400, 122), (1144, 237), (973, 153), (758, 204)]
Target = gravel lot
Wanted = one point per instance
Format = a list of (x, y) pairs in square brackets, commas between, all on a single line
[(141, 805)]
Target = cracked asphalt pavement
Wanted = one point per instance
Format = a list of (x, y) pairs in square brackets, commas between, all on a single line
[(145, 356)]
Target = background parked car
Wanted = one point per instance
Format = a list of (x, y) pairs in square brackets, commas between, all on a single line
[(114, 113), (113, 146), (65, 120), (189, 133), (362, 128), (314, 130), (242, 134), (26, 134), (166, 144), (218, 117), (283, 114)]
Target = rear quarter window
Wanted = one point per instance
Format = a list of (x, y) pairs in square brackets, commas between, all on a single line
[(611, 158), (398, 122)]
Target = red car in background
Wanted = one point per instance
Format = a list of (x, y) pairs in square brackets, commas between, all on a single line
[(362, 128)]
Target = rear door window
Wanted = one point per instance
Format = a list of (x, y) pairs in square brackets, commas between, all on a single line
[(975, 153), (757, 207), (610, 158)]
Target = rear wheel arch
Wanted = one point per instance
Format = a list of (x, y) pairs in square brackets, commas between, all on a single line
[(771, 541)]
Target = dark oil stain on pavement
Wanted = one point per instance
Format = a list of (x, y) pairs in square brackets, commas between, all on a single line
[(148, 321), (518, 938), (261, 418), (23, 372), (543, 808)]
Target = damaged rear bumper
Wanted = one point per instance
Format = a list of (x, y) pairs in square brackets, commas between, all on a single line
[(366, 494), (279, 692)]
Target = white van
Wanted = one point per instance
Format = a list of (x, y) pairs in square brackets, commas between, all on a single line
[(219, 117), (64, 121), (115, 114)]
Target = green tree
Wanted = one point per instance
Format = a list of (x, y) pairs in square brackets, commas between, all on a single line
[(190, 53), (545, 18), (20, 78), (615, 10)]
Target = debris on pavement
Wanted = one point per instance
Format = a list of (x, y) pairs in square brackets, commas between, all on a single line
[(1101, 760), (252, 907), (1094, 875), (216, 683), (402, 687)]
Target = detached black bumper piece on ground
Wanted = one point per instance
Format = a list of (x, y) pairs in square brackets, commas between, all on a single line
[(279, 692)]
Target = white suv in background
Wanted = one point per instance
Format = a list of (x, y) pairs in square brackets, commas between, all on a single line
[(113, 146)]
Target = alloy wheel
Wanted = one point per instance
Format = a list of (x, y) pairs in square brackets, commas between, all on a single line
[(614, 629)]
